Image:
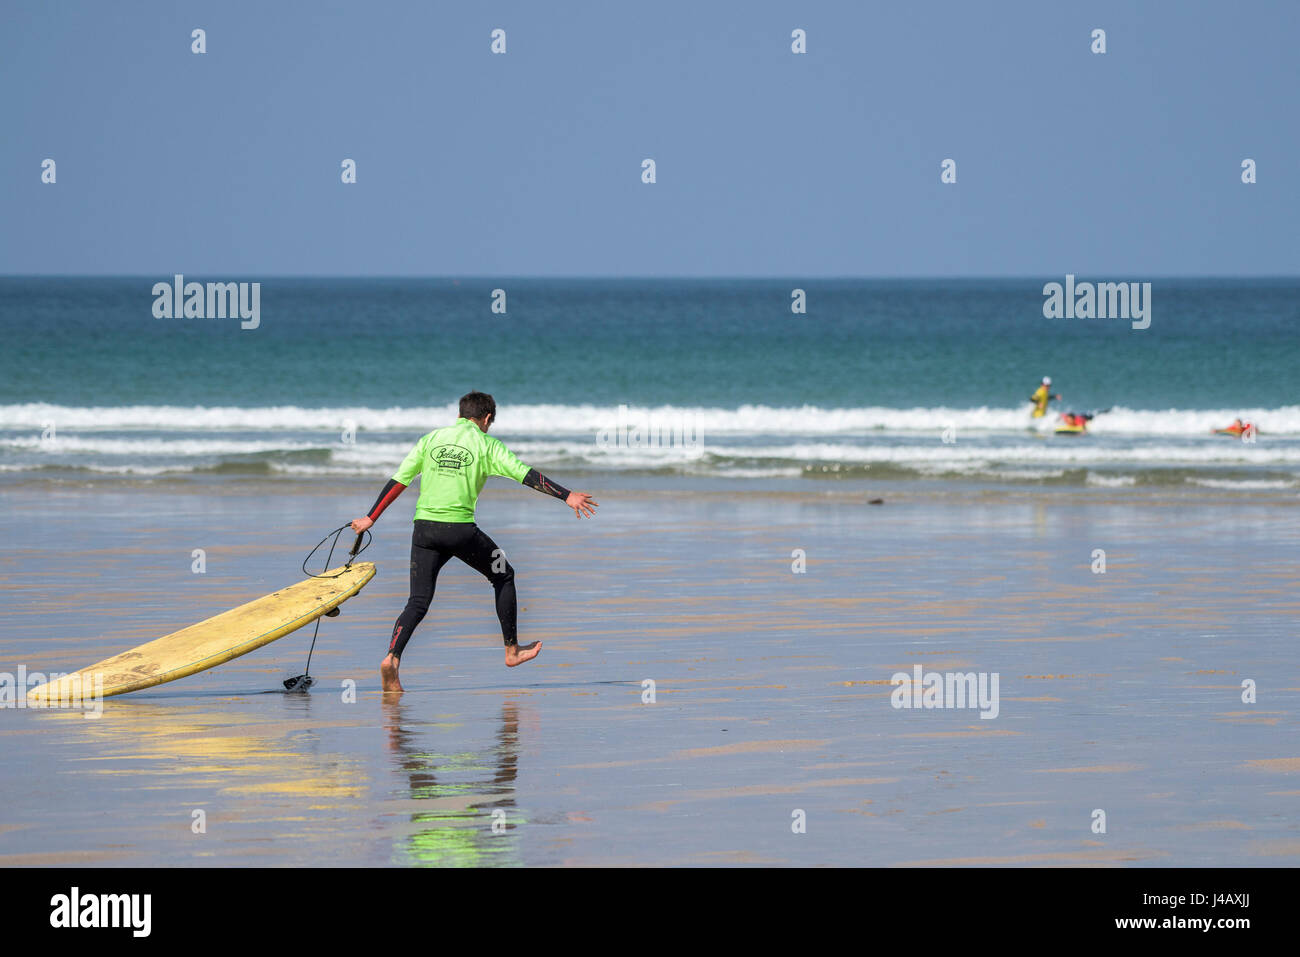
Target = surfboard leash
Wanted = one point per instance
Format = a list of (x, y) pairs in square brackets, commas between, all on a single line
[(304, 681), (357, 549)]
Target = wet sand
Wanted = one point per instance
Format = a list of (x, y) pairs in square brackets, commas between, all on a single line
[(1119, 691)]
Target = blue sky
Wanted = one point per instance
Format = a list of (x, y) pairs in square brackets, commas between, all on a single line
[(227, 164)]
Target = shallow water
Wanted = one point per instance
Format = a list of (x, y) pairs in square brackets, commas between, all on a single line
[(1118, 691)]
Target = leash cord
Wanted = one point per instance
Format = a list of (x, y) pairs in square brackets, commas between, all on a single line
[(336, 533), (328, 558)]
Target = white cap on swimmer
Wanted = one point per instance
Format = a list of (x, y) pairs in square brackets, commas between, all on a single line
[(1047, 380)]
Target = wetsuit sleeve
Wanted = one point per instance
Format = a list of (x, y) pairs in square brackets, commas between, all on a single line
[(535, 479), (386, 498), (503, 462)]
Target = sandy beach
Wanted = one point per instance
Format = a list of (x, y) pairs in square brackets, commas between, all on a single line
[(772, 737)]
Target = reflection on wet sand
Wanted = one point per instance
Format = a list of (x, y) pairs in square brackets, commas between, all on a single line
[(213, 747), (469, 816), (189, 781)]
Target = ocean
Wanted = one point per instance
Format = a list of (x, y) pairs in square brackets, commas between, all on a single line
[(913, 381)]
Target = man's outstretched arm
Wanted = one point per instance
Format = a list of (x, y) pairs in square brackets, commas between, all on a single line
[(386, 498), (580, 502)]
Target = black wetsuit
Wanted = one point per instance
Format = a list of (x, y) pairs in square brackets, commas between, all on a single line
[(433, 544)]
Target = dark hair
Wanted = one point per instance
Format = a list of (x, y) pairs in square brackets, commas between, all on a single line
[(477, 405)]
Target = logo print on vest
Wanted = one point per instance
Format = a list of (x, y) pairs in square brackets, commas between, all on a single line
[(452, 457)]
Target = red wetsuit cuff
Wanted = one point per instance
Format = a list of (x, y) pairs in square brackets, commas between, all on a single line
[(386, 497)]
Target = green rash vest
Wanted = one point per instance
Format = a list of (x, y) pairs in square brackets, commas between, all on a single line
[(453, 463)]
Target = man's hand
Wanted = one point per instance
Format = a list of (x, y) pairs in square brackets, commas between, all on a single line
[(582, 504), (359, 525)]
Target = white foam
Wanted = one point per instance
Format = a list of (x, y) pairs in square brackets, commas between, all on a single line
[(1111, 481), (554, 420), (1242, 484), (68, 443)]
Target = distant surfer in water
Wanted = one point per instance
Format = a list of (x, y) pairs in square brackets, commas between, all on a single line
[(1076, 420), (1238, 428), (453, 463), (1042, 395)]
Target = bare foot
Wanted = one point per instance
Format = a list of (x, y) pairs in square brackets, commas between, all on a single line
[(388, 672), (518, 654)]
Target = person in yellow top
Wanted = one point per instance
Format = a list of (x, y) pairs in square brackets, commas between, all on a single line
[(1042, 395)]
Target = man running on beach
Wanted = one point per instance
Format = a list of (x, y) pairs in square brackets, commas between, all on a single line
[(453, 463)]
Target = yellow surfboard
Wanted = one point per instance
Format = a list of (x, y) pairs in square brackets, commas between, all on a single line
[(212, 642)]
